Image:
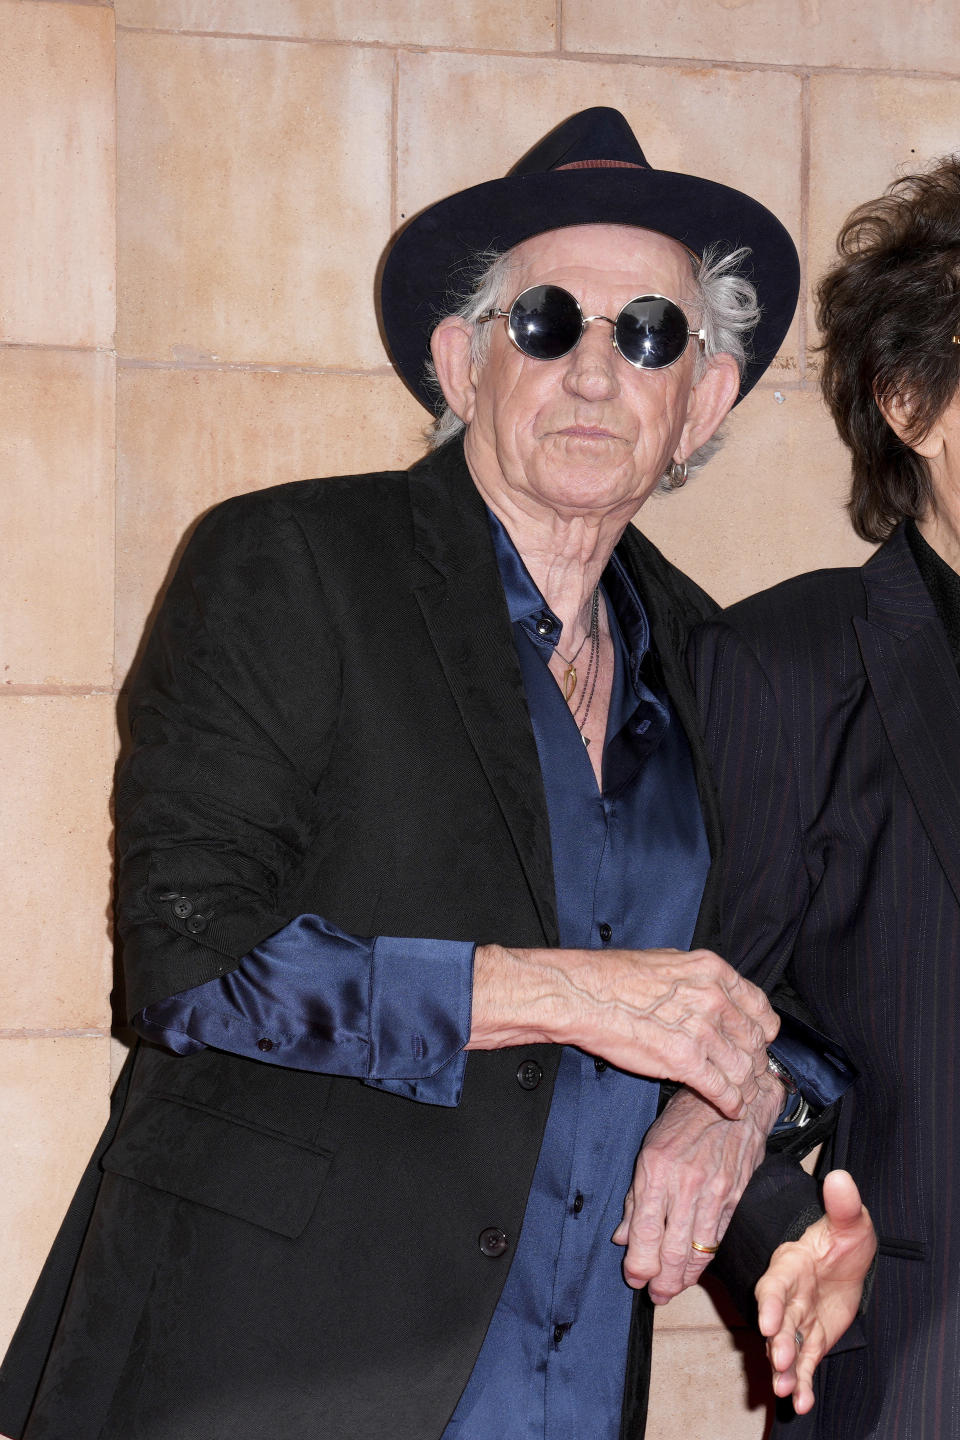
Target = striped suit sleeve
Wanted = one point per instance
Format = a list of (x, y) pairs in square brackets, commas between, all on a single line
[(764, 894), (766, 887)]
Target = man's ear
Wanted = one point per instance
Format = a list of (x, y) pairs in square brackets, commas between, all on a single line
[(709, 403), (450, 348), (898, 414)]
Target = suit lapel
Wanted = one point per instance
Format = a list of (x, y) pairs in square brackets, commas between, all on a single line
[(917, 690), (462, 602)]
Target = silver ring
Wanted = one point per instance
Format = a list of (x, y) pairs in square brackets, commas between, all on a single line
[(798, 1336)]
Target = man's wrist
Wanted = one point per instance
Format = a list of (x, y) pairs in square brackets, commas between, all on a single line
[(767, 1108), (795, 1111), (512, 1002)]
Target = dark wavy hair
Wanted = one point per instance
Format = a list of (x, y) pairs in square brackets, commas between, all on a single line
[(888, 312)]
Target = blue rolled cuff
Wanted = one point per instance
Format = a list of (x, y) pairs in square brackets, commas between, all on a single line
[(392, 1012), (821, 1069)]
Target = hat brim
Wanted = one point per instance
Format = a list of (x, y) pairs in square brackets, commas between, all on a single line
[(424, 269)]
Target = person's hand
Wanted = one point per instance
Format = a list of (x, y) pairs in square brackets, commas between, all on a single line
[(689, 1176), (675, 1015), (810, 1293)]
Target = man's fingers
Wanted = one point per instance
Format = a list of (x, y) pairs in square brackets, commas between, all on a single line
[(722, 1006), (783, 1348), (803, 1396), (621, 1235), (667, 1278), (722, 1060), (644, 1241), (841, 1199), (753, 1001), (787, 1316), (794, 1357), (699, 1219), (662, 1255), (724, 1075), (677, 1273), (716, 1087), (771, 1303)]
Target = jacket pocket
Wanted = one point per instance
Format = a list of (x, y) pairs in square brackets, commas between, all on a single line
[(901, 1249), (213, 1160)]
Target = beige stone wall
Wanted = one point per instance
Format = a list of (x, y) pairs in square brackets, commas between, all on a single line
[(195, 196)]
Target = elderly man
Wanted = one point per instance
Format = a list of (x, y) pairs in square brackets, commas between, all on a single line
[(414, 839)]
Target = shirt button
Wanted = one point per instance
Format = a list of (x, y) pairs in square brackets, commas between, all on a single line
[(196, 925), (606, 934), (599, 1065), (182, 907), (529, 1075), (492, 1242), (558, 1333), (546, 625), (265, 1044), (577, 1203)]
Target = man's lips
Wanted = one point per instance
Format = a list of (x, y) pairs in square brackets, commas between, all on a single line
[(587, 432)]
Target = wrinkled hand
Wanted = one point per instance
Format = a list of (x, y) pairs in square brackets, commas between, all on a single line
[(664, 1013), (689, 1176), (813, 1288)]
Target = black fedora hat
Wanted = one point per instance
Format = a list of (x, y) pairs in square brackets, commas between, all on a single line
[(589, 170)]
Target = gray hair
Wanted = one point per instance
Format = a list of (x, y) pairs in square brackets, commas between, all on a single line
[(726, 300)]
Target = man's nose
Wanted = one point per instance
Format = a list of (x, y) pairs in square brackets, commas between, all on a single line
[(592, 367)]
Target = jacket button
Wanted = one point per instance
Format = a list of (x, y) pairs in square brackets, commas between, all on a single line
[(264, 1044), (182, 907), (196, 924), (529, 1074), (493, 1242)]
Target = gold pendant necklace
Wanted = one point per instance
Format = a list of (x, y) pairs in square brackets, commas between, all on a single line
[(570, 673)]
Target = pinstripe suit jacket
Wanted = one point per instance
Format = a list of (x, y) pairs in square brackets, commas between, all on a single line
[(831, 708)]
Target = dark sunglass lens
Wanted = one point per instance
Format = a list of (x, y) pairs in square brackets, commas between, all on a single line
[(545, 322), (652, 332)]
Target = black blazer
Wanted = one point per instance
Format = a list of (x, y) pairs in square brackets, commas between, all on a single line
[(329, 718), (832, 713)]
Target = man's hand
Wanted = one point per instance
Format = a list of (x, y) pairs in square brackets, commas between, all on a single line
[(663, 1013), (689, 1176), (810, 1293)]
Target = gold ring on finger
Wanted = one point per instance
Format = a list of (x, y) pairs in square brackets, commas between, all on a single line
[(704, 1249)]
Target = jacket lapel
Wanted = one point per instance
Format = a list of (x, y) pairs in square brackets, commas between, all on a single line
[(462, 602), (917, 690)]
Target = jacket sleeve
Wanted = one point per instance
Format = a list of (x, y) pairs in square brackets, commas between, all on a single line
[(766, 889), (232, 715)]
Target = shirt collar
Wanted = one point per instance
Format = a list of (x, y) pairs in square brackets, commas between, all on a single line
[(527, 607)]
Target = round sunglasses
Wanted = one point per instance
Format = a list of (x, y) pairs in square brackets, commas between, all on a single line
[(546, 322)]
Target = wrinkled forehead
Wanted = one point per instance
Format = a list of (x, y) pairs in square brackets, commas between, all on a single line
[(612, 257)]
